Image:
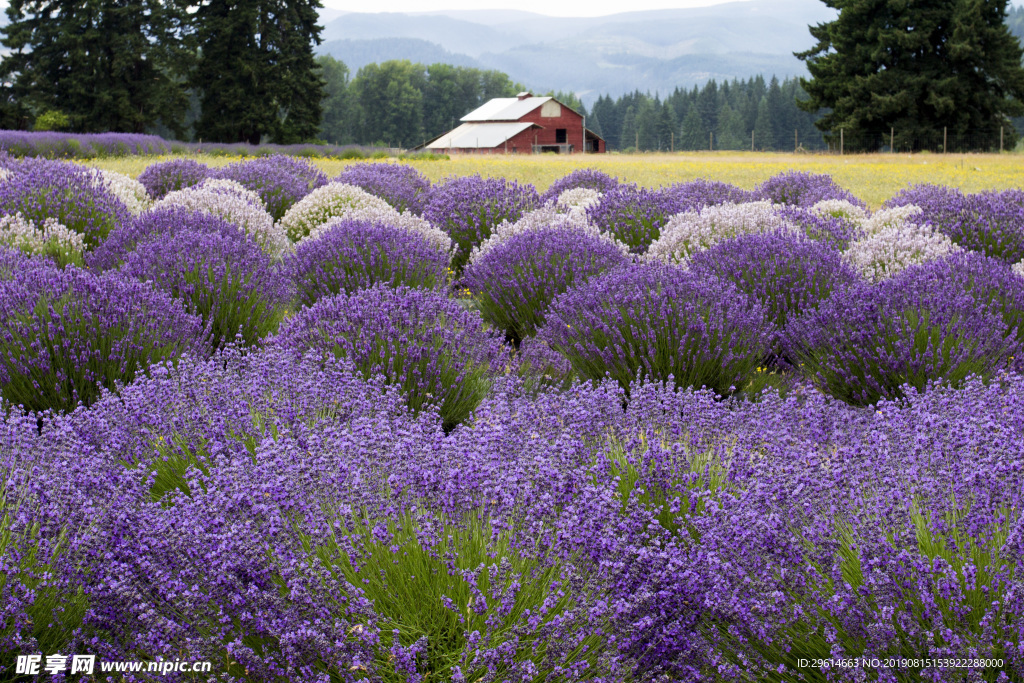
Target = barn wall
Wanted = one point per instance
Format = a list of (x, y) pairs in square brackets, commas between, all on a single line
[(570, 120)]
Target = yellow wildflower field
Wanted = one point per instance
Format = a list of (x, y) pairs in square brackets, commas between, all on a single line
[(872, 177)]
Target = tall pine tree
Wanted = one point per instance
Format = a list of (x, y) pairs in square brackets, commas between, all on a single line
[(915, 67), (256, 70), (108, 65)]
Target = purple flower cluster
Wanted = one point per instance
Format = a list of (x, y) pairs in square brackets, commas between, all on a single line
[(279, 180), (356, 254), (661, 323), (162, 223), (222, 277), (635, 215), (401, 186), (469, 208), (514, 283), (802, 189), (439, 353), (943, 320), (67, 333), (79, 145), (787, 273), (41, 189), (835, 231), (164, 177), (694, 195), (589, 178), (988, 222)]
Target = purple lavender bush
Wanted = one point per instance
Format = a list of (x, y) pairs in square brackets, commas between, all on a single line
[(469, 208), (224, 278), (940, 205), (802, 189), (356, 254), (991, 223), (401, 186), (514, 283), (934, 321), (164, 177), (279, 180), (836, 231), (787, 273), (589, 178), (163, 223), (660, 323), (634, 215), (440, 354), (41, 189), (67, 333), (694, 195)]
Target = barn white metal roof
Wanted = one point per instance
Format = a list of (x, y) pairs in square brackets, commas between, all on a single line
[(478, 135), (505, 109)]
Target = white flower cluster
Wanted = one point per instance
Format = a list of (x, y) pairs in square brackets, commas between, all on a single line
[(52, 238), (885, 219), (5, 174), (548, 216), (578, 199), (131, 192), (839, 208), (333, 200), (237, 208), (686, 234), (1018, 268), (406, 221), (232, 187), (893, 244)]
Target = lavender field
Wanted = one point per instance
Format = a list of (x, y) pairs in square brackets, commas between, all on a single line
[(378, 428)]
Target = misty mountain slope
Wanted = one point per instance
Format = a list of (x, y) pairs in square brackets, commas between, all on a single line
[(358, 53), (451, 34)]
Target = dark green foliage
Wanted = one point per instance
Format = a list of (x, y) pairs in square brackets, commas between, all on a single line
[(105, 64), (256, 71), (924, 70)]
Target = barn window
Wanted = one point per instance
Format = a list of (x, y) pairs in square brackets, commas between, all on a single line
[(561, 136)]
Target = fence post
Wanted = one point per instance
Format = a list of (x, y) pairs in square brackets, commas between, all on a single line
[(751, 141), (840, 142), (892, 134), (1000, 139), (636, 143), (711, 142), (943, 139), (673, 142), (796, 140)]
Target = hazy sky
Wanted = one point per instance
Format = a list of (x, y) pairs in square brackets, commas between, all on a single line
[(556, 8)]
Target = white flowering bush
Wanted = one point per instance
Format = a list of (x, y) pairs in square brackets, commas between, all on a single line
[(51, 239), (548, 216), (406, 221), (333, 200), (897, 245), (885, 219), (686, 234), (228, 203), (1018, 268), (232, 187), (578, 199), (840, 208), (131, 192)]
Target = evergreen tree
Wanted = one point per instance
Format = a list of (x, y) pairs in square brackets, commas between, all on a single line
[(693, 134), (647, 123), (731, 134), (256, 70), (107, 65), (764, 136), (917, 67), (629, 134), (667, 126)]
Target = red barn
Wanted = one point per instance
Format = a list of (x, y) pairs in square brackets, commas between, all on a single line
[(520, 125)]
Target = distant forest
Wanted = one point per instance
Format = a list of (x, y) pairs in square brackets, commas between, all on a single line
[(400, 103)]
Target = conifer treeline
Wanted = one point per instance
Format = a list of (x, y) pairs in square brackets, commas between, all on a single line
[(403, 103), (735, 115)]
